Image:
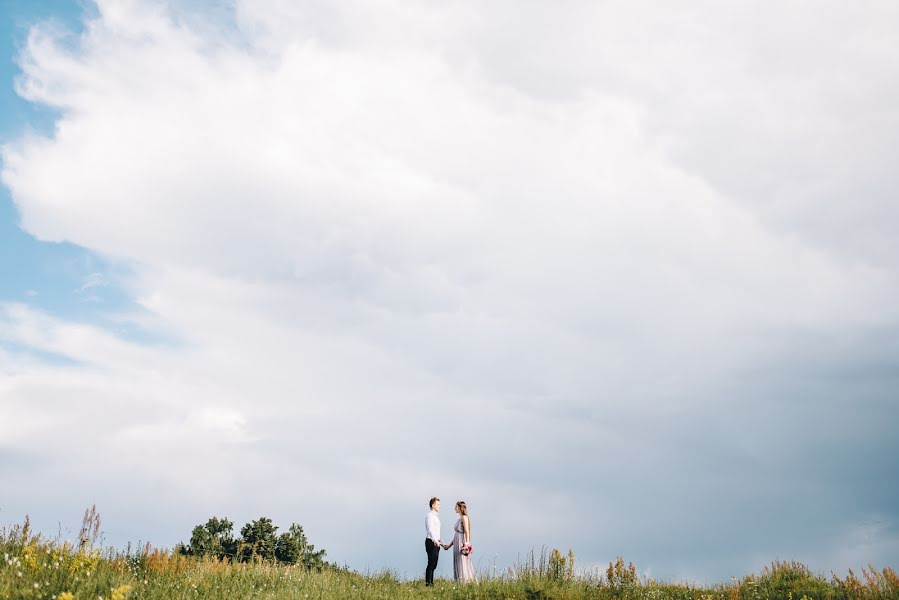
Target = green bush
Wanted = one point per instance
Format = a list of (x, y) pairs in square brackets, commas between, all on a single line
[(257, 542), (788, 580)]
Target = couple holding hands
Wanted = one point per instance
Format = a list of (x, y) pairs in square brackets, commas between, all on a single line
[(461, 544)]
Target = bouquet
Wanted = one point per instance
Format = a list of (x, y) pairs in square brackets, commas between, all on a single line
[(466, 549)]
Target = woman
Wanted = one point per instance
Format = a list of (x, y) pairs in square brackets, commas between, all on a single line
[(462, 569)]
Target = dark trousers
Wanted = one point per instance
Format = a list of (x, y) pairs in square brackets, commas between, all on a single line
[(433, 551)]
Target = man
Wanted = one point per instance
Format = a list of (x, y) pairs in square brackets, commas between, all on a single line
[(432, 539)]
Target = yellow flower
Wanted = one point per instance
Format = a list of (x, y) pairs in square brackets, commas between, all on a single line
[(66, 596), (28, 557), (120, 592), (82, 561)]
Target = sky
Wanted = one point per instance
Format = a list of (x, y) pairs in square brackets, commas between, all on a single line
[(622, 276)]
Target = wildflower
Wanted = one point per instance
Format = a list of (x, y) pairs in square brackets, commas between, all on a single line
[(120, 592), (66, 596)]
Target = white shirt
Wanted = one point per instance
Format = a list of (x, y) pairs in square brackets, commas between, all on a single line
[(432, 527)]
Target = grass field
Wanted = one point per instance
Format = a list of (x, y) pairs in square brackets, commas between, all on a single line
[(37, 568)]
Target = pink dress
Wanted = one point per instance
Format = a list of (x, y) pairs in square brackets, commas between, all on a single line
[(462, 569)]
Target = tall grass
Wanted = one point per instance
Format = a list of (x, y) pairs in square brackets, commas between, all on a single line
[(34, 567)]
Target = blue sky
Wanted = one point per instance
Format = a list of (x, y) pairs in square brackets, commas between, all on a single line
[(624, 290), (47, 274)]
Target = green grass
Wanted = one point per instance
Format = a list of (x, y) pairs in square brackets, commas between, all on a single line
[(36, 568)]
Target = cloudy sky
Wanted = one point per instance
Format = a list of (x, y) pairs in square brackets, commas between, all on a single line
[(623, 276)]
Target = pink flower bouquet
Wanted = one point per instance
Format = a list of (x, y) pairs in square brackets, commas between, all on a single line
[(467, 549)]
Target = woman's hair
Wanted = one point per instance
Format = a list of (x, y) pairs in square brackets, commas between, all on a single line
[(462, 508)]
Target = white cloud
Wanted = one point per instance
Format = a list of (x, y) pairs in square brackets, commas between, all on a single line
[(494, 251)]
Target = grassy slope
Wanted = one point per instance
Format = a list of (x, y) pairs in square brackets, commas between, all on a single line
[(36, 568)]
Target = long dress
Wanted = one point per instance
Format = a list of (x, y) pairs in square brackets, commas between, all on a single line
[(462, 569)]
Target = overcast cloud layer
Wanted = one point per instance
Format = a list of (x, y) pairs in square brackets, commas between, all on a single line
[(623, 276)]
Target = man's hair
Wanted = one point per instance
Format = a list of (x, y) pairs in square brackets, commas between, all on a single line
[(433, 500)]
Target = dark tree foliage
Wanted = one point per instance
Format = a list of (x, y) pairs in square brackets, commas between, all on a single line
[(293, 547), (212, 539), (258, 541)]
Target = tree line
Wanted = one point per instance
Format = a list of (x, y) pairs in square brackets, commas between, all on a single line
[(258, 541)]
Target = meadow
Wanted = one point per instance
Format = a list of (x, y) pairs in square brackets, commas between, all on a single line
[(34, 567)]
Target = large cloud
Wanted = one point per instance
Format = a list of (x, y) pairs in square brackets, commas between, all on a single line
[(616, 275)]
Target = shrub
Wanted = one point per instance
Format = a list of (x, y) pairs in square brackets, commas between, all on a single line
[(788, 580), (212, 539), (883, 584), (560, 567), (292, 547), (258, 541), (620, 577)]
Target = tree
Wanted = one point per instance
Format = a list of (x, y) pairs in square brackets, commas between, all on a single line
[(257, 540), (212, 539), (292, 547)]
